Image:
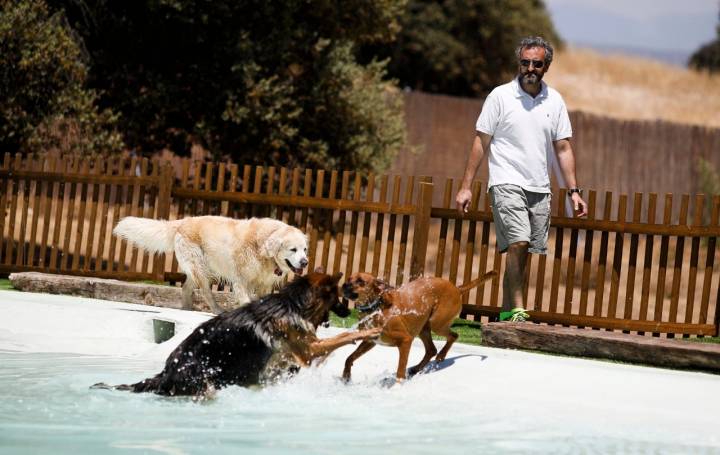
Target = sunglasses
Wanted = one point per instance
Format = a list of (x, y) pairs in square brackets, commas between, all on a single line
[(536, 63)]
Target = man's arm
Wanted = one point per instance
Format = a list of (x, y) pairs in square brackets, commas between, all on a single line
[(566, 160), (477, 154)]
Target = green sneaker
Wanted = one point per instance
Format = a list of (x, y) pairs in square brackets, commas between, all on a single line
[(515, 315)]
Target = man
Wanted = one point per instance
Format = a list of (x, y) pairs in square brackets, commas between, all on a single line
[(521, 124)]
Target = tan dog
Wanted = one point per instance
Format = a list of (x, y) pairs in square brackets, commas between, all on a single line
[(254, 255), (414, 309)]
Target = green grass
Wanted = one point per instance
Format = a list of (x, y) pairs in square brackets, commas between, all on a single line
[(159, 283), (715, 340), (5, 285), (469, 331), (347, 322)]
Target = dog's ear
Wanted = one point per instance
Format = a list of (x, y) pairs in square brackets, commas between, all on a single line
[(381, 286), (332, 280), (271, 247)]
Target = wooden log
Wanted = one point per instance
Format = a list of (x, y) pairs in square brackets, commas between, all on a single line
[(113, 290), (604, 345)]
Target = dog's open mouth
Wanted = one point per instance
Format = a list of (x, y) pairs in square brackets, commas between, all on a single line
[(296, 270)]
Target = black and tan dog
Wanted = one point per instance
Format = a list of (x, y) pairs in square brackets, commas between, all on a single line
[(234, 348), (415, 309)]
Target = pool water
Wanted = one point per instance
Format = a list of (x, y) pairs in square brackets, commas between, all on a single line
[(480, 400)]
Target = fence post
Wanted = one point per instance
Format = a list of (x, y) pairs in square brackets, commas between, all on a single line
[(165, 184), (421, 228)]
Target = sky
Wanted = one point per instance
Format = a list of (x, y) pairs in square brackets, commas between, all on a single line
[(670, 28)]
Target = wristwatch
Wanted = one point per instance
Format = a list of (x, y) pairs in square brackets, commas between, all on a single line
[(574, 190)]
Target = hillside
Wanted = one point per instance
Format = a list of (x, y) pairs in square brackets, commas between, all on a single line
[(635, 88)]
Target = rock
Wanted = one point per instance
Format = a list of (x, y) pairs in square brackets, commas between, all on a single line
[(114, 290), (602, 344)]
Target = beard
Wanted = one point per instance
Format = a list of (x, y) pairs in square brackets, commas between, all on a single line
[(530, 78)]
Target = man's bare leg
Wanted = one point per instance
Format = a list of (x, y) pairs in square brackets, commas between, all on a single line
[(514, 276)]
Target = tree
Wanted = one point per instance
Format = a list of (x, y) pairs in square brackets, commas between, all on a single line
[(708, 56), (709, 183), (267, 82), (43, 99), (462, 47)]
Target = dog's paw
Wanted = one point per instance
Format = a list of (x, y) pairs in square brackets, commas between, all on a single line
[(391, 382)]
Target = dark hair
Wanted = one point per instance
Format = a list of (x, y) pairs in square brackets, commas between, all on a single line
[(535, 41)]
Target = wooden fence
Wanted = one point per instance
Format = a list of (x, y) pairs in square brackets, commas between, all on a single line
[(630, 268), (624, 156)]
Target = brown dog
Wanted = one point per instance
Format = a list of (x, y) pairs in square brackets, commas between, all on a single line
[(414, 309)]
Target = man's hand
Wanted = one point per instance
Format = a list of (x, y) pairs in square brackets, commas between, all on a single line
[(579, 206), (463, 200)]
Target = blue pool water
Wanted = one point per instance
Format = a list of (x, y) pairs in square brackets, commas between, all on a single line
[(480, 400)]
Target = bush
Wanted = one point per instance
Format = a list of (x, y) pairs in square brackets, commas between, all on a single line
[(462, 47), (43, 101), (264, 82), (709, 184), (708, 56)]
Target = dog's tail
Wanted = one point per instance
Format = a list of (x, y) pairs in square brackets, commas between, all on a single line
[(156, 236), (467, 286), (146, 385), (102, 385)]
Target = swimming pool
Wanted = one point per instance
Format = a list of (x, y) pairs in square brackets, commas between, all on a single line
[(480, 400)]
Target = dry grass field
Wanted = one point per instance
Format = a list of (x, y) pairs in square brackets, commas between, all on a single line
[(635, 88)]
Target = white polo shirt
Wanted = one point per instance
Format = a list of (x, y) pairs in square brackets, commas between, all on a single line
[(523, 129)]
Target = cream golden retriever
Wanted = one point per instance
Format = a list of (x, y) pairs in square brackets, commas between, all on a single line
[(254, 255)]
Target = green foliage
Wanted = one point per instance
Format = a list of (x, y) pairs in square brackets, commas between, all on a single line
[(710, 340), (266, 82), (43, 101), (709, 177), (5, 285), (709, 182), (345, 323), (462, 47), (708, 56), (469, 332)]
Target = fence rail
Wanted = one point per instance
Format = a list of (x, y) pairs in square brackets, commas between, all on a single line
[(623, 268)]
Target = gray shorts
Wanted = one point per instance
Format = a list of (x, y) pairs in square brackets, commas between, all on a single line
[(520, 216)]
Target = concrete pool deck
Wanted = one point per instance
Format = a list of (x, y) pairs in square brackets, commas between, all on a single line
[(633, 404), (616, 346)]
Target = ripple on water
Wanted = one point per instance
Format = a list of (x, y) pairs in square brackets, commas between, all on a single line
[(47, 407)]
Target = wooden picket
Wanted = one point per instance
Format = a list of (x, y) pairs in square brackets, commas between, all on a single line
[(58, 214), (601, 272)]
